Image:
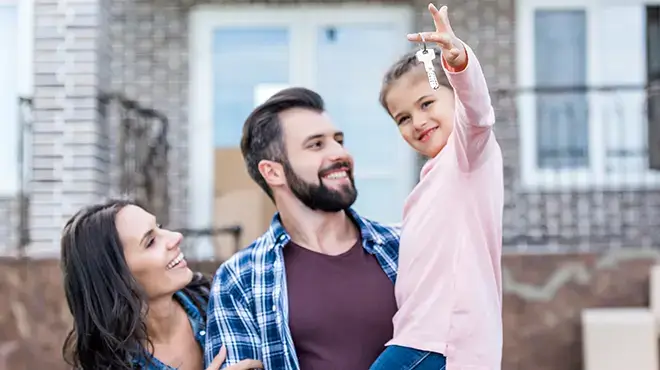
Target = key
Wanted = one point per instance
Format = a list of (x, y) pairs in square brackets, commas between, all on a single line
[(426, 56)]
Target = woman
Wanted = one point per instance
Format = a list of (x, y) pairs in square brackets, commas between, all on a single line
[(135, 303)]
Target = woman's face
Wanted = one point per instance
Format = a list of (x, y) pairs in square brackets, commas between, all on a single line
[(152, 254)]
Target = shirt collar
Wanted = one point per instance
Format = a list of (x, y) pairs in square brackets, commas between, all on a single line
[(279, 236)]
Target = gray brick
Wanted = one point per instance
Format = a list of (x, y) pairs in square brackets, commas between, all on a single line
[(66, 153), (45, 150)]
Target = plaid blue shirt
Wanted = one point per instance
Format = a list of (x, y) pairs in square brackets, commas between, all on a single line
[(196, 322), (248, 305)]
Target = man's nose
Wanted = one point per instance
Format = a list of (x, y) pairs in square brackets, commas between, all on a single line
[(338, 151)]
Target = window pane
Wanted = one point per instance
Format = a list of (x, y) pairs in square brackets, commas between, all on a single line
[(560, 48), (653, 42), (622, 113), (8, 101), (350, 86), (239, 69)]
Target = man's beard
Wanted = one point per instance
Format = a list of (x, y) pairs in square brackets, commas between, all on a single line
[(320, 197)]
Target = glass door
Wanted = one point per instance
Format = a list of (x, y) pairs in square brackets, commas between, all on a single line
[(350, 84)]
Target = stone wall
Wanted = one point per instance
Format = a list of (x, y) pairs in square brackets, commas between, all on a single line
[(544, 295), (10, 214)]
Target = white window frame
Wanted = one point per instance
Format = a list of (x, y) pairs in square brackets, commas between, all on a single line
[(534, 178), (302, 22), (9, 187)]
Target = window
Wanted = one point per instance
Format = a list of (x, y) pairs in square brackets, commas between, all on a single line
[(574, 132), (237, 53), (16, 80), (8, 101), (561, 139)]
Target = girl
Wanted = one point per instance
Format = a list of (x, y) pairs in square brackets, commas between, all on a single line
[(134, 301), (448, 288)]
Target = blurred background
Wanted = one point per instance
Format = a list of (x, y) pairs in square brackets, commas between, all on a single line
[(146, 98)]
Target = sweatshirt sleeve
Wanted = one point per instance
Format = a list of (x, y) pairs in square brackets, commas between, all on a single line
[(474, 116)]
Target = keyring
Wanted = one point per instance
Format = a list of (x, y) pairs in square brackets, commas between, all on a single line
[(421, 35)]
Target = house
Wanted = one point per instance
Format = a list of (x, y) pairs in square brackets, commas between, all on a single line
[(576, 159)]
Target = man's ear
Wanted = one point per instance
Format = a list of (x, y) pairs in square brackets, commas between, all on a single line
[(272, 172)]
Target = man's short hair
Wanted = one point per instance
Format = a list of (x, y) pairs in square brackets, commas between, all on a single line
[(262, 130)]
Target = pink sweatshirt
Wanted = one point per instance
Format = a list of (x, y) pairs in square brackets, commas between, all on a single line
[(449, 285)]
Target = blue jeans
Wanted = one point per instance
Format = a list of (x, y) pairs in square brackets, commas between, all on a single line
[(404, 358)]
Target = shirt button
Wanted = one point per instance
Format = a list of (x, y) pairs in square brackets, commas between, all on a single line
[(274, 308), (202, 333)]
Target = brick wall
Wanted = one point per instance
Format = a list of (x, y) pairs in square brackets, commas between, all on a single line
[(543, 298), (140, 48), (150, 65), (69, 156)]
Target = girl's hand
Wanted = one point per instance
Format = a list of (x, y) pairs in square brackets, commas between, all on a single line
[(453, 49)]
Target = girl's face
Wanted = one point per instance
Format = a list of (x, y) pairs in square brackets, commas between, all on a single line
[(425, 117)]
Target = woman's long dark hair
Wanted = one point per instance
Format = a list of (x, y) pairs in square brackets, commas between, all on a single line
[(107, 304)]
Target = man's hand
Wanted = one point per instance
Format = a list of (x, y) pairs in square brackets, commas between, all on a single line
[(453, 50), (243, 365)]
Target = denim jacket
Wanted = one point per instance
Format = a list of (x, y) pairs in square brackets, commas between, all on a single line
[(197, 323)]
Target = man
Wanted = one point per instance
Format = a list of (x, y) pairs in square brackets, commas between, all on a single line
[(316, 290)]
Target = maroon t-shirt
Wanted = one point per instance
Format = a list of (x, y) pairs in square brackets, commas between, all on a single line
[(340, 308)]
